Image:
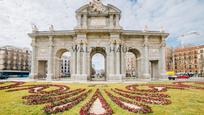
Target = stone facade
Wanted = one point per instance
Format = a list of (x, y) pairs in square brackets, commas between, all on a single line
[(189, 59), (14, 59), (98, 31), (65, 66)]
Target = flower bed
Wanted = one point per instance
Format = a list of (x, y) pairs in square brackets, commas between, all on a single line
[(47, 99), (149, 100), (66, 104), (14, 85), (39, 88), (120, 102), (34, 96), (85, 110), (182, 84), (143, 94), (152, 88)]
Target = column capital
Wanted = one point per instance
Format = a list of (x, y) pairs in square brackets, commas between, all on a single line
[(163, 44), (33, 44), (146, 37), (81, 42), (146, 41), (119, 41)]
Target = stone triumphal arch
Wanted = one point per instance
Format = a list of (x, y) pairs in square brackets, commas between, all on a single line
[(98, 31)]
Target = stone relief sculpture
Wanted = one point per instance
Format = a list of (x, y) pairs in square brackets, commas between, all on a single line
[(97, 5)]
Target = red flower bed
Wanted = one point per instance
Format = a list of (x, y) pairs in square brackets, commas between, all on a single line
[(143, 94), (14, 85), (66, 104), (150, 100), (85, 109), (31, 89), (34, 96), (47, 99), (40, 88), (182, 84), (152, 88), (120, 102)]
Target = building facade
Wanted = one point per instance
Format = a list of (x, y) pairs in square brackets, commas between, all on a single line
[(189, 59), (14, 59), (131, 65), (98, 31), (65, 66), (169, 59)]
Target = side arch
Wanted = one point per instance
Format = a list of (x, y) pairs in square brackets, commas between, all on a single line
[(58, 61), (133, 63)]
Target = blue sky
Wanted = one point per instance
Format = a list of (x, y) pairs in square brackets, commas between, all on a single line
[(178, 17)]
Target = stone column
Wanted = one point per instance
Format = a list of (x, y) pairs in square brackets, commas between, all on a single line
[(84, 60), (84, 21), (33, 66), (111, 21), (73, 62), (146, 73), (78, 60), (50, 60), (117, 21), (118, 60), (111, 64), (162, 58), (124, 61)]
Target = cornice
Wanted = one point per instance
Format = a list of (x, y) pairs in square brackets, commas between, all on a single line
[(85, 31)]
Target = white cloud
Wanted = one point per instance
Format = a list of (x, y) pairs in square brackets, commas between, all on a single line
[(177, 16)]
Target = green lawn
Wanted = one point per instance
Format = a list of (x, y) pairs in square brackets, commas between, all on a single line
[(184, 102)]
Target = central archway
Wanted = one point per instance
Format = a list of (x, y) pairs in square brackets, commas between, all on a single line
[(98, 64)]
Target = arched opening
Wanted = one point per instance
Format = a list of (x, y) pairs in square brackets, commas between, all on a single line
[(98, 64), (132, 63), (63, 64)]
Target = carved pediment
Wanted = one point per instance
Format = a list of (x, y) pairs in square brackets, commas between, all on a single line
[(96, 15), (97, 6), (103, 9)]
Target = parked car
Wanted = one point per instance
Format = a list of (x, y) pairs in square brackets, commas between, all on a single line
[(183, 77), (172, 77)]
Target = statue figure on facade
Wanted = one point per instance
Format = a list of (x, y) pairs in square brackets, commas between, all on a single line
[(145, 28), (162, 29), (51, 28), (97, 5), (34, 28)]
